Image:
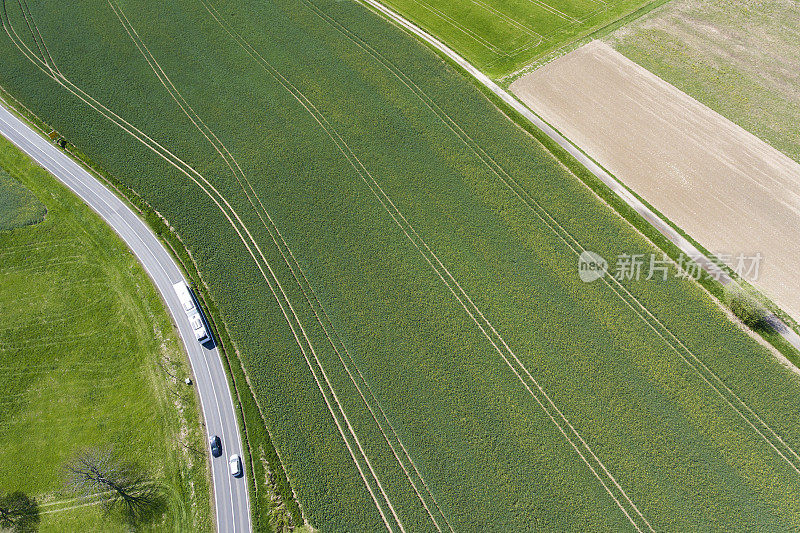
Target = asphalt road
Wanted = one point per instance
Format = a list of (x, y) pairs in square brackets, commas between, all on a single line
[(230, 494)]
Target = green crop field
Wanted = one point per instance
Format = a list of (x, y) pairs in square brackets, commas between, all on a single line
[(85, 347), (715, 51), (501, 36), (397, 265)]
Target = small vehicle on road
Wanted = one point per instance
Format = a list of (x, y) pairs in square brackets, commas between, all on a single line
[(215, 445), (235, 464)]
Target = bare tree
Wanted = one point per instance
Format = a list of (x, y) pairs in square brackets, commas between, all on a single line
[(18, 513), (96, 471)]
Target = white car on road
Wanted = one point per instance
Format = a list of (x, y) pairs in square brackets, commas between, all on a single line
[(235, 463)]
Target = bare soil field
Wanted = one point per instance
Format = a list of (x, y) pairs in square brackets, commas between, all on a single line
[(741, 58), (725, 187)]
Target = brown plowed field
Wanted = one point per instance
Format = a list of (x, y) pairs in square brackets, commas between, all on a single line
[(725, 187)]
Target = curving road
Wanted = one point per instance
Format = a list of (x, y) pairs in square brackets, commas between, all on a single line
[(230, 494)]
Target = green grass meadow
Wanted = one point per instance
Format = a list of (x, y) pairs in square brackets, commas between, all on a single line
[(86, 353), (502, 36), (18, 206), (394, 188)]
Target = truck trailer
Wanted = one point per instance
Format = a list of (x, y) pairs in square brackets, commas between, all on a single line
[(192, 310)]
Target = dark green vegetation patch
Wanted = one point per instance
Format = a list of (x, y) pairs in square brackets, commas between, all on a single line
[(397, 265), (18, 206)]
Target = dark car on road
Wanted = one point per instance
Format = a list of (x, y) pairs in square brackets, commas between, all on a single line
[(215, 445)]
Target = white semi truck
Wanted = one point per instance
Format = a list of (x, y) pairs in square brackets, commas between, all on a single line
[(192, 311)]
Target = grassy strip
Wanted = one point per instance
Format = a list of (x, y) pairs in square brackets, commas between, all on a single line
[(506, 81), (251, 420)]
